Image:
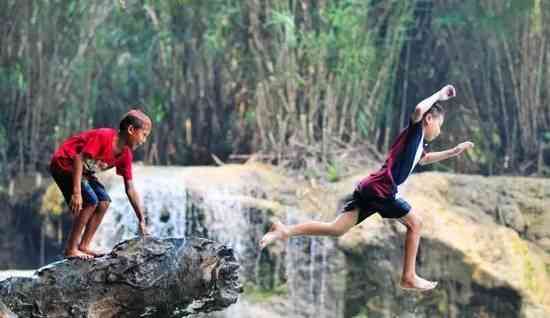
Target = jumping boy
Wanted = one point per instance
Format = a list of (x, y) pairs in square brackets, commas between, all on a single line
[(73, 168), (380, 191)]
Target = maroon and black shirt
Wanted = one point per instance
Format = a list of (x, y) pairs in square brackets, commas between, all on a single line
[(403, 156)]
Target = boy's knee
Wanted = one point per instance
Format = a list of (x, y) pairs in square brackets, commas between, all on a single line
[(337, 230), (91, 205), (417, 223), (103, 206), (414, 222)]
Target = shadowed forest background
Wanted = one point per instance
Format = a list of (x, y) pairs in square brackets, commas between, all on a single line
[(287, 79)]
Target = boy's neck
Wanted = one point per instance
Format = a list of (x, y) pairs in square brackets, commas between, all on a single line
[(119, 142)]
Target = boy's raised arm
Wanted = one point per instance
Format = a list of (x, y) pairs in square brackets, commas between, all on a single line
[(445, 93)]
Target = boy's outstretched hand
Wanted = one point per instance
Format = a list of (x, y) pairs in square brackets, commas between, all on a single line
[(447, 92), (460, 148), (143, 229)]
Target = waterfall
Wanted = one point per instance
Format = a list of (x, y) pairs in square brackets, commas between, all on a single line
[(176, 207), (164, 201), (312, 265)]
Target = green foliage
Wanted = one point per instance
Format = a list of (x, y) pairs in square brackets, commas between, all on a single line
[(3, 150), (250, 117), (3, 135), (309, 72), (258, 295), (52, 201), (334, 171), (363, 123), (364, 313), (13, 77), (351, 50), (283, 22), (482, 16)]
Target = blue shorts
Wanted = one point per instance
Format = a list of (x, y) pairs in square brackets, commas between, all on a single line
[(367, 204), (92, 190)]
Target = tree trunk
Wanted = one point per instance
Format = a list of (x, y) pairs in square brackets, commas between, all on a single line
[(141, 277), (5, 312)]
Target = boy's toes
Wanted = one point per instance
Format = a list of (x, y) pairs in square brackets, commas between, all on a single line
[(91, 252), (418, 284), (78, 255)]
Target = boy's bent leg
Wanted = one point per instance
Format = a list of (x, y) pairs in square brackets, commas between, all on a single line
[(409, 279), (339, 226), (79, 222), (91, 228)]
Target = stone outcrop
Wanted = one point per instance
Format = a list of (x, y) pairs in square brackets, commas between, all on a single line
[(485, 239)]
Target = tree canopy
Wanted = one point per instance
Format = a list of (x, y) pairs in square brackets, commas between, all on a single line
[(238, 77)]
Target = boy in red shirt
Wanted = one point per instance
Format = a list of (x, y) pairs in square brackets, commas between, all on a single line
[(73, 167)]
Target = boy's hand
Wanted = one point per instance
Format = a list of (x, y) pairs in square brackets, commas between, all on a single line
[(76, 203), (143, 229), (447, 92), (460, 148)]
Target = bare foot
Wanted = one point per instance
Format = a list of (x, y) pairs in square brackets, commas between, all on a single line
[(278, 231), (417, 284), (77, 254), (90, 252)]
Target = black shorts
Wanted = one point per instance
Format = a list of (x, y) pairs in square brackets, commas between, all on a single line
[(367, 204), (92, 190)]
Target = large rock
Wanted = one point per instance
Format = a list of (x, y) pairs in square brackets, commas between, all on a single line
[(516, 202), (473, 243), (141, 277)]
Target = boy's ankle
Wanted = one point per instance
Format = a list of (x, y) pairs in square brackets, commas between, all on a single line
[(70, 250), (408, 278), (83, 246)]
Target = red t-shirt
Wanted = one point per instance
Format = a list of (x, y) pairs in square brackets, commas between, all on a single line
[(96, 145)]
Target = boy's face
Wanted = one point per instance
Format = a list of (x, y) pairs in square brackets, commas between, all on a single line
[(138, 136), (432, 126)]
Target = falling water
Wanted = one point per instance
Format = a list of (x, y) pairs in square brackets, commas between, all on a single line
[(174, 208), (164, 201), (307, 268)]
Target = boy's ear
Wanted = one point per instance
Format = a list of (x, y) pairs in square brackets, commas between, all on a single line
[(427, 118), (131, 129), (430, 117)]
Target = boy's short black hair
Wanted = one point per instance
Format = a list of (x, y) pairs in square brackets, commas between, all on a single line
[(135, 118), (436, 110)]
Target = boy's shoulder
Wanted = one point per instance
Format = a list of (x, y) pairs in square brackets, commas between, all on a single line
[(98, 133), (412, 128)]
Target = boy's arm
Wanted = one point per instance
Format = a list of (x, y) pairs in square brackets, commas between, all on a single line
[(76, 197), (445, 93), (432, 157), (133, 196)]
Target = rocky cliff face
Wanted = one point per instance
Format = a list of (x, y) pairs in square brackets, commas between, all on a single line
[(486, 240), (479, 243)]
